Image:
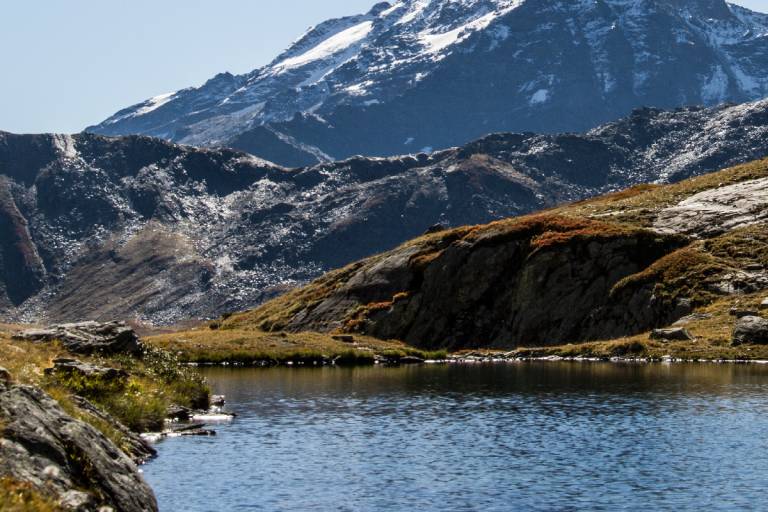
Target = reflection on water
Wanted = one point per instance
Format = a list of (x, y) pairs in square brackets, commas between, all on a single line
[(525, 436)]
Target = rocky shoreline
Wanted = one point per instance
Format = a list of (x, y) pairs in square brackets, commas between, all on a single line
[(73, 402)]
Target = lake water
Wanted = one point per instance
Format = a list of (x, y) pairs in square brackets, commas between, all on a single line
[(507, 437)]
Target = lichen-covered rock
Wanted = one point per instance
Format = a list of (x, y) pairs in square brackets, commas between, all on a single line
[(89, 337), (73, 366), (65, 458), (751, 330)]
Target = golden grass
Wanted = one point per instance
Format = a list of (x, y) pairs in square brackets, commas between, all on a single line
[(16, 496), (140, 401), (639, 205), (713, 339), (253, 346), (686, 273)]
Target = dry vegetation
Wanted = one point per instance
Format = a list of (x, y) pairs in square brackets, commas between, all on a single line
[(21, 497), (255, 347), (712, 331), (139, 401), (640, 205)]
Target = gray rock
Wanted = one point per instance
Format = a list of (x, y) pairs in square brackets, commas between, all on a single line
[(179, 413), (76, 500), (672, 334), (691, 318), (89, 337), (53, 452), (70, 366), (742, 312), (751, 330), (134, 446)]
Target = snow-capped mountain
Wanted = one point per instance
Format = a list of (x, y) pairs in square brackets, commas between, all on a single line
[(420, 75), (97, 228)]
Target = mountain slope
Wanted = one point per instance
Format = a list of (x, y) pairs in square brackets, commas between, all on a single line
[(419, 75), (98, 228), (605, 268)]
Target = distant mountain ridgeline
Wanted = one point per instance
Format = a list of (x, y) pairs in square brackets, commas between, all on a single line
[(103, 228), (415, 76)]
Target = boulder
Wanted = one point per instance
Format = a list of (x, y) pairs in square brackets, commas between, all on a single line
[(751, 330), (218, 400), (672, 334), (73, 366), (89, 337), (5, 375), (57, 454), (742, 312), (694, 317), (764, 304)]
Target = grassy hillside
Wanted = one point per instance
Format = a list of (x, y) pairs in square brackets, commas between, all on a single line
[(681, 273)]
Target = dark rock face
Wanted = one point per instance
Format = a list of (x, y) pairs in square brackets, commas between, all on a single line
[(140, 228), (89, 338), (431, 75), (64, 457), (751, 330), (500, 286)]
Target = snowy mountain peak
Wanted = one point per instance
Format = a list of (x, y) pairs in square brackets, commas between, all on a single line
[(422, 74)]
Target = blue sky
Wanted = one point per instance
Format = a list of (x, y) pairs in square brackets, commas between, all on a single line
[(71, 63)]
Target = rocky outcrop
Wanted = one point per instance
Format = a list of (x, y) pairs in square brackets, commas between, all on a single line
[(66, 366), (540, 280), (89, 337), (594, 270), (671, 334), (139, 450), (751, 330), (717, 211), (65, 458)]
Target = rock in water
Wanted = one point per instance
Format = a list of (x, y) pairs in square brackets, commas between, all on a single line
[(66, 458), (89, 337), (751, 330)]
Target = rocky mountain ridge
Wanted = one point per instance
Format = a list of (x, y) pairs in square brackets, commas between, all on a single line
[(138, 228), (611, 267), (419, 75)]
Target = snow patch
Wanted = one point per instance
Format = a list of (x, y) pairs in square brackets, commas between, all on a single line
[(436, 42), (153, 104), (331, 46), (715, 89), (540, 96)]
